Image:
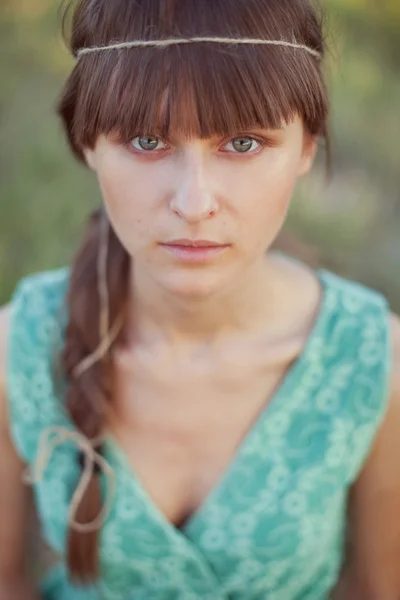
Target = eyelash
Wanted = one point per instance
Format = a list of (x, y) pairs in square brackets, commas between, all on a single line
[(263, 142)]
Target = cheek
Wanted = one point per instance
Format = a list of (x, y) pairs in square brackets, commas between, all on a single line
[(118, 183), (129, 203), (267, 193), (280, 176)]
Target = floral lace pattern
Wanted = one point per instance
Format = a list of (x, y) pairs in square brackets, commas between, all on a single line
[(273, 526)]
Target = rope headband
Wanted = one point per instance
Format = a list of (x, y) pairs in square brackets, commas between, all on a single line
[(193, 40)]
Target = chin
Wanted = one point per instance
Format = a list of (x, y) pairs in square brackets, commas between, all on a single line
[(193, 284)]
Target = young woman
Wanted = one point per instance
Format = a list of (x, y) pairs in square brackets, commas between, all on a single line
[(201, 418)]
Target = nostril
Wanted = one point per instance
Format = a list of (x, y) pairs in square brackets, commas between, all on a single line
[(194, 207)]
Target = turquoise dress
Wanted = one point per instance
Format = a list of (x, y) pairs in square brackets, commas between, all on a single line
[(273, 527)]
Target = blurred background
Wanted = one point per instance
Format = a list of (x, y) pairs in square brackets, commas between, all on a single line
[(350, 224)]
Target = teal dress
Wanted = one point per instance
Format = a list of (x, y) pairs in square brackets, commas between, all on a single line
[(273, 527)]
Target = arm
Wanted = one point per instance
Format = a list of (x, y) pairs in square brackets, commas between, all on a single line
[(372, 570), (14, 500)]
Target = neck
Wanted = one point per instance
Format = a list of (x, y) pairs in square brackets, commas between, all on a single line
[(253, 302)]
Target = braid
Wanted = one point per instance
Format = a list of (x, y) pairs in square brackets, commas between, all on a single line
[(87, 396)]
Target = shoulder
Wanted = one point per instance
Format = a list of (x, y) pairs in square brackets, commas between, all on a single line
[(36, 317), (51, 284), (385, 455), (31, 338), (391, 421), (394, 399), (37, 298), (395, 333), (374, 510), (389, 432)]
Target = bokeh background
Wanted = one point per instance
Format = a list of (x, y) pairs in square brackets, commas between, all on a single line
[(350, 225)]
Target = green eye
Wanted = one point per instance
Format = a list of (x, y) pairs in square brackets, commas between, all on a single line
[(242, 145), (147, 143)]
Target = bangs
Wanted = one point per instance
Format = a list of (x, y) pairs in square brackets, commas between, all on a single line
[(202, 89)]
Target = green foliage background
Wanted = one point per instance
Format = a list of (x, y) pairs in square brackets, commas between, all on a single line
[(353, 221)]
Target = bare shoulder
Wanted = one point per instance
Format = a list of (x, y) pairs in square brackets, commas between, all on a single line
[(395, 331), (391, 424), (389, 432), (15, 497), (371, 570), (5, 319), (388, 439)]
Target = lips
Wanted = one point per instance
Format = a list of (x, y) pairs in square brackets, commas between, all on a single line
[(194, 251), (194, 243)]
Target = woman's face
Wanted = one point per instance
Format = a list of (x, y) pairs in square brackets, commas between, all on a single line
[(195, 214)]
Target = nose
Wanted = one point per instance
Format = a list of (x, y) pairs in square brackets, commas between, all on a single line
[(194, 200)]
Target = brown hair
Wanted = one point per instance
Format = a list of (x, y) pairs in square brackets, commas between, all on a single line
[(198, 89)]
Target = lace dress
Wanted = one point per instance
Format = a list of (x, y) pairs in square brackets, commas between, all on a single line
[(273, 527)]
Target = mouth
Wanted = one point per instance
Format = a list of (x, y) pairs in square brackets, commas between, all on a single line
[(194, 243), (194, 251)]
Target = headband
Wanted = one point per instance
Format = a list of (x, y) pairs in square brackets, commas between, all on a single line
[(217, 40)]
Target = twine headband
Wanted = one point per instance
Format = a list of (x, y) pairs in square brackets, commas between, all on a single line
[(218, 40)]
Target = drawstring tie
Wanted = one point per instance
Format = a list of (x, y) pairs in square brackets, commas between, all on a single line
[(55, 436)]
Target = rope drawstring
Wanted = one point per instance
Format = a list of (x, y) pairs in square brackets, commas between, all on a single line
[(55, 436)]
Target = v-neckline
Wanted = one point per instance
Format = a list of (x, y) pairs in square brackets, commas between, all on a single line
[(275, 402)]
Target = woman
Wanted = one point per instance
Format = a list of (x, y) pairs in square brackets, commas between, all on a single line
[(201, 417)]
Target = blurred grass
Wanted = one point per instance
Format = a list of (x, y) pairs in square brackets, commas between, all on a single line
[(354, 221)]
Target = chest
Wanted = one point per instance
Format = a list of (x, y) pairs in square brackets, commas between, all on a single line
[(258, 523), (180, 422), (242, 462)]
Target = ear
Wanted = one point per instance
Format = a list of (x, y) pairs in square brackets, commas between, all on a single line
[(90, 158), (308, 153)]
